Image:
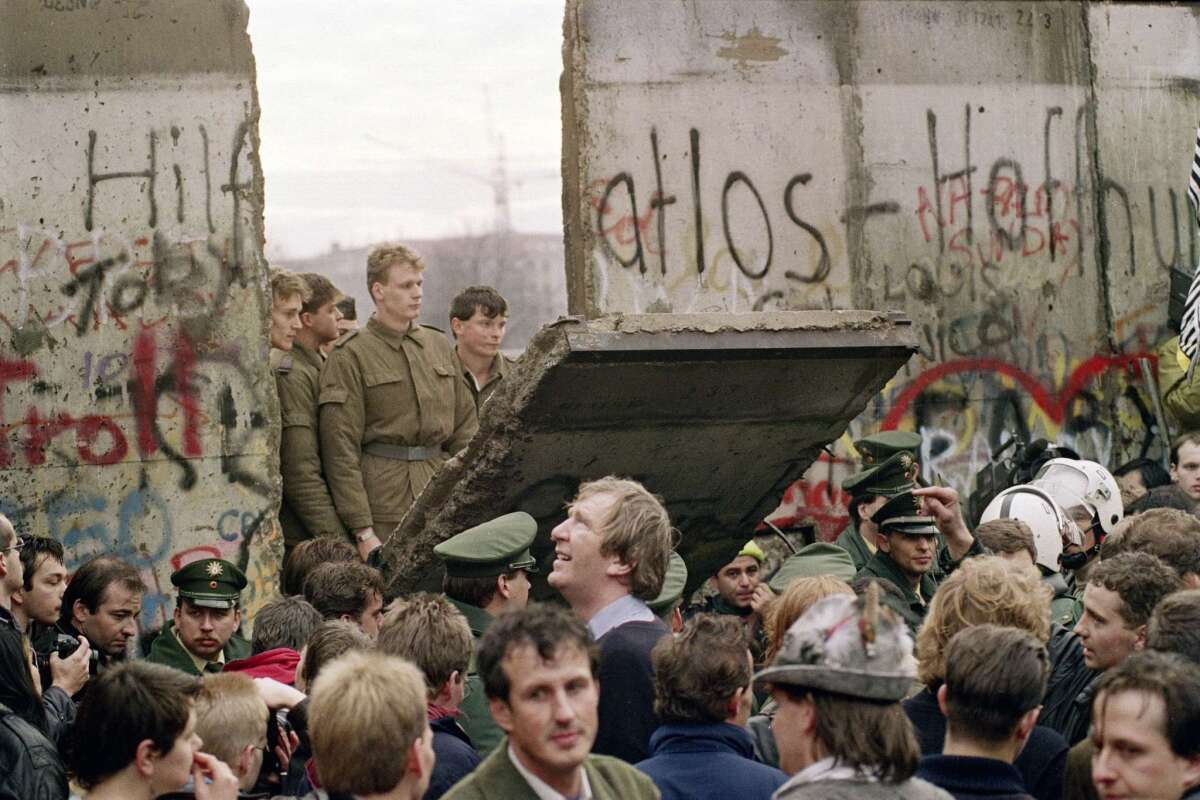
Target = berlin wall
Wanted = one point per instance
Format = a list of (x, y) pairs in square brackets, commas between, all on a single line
[(139, 412), (1010, 175)]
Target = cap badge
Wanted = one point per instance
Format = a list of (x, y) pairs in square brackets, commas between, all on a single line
[(214, 569)]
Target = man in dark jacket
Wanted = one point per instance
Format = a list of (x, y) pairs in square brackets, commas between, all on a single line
[(702, 693), (610, 558), (430, 632), (16, 681), (995, 677), (909, 554)]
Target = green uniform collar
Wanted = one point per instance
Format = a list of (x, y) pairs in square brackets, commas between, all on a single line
[(477, 618), (310, 357), (394, 339), (882, 565)]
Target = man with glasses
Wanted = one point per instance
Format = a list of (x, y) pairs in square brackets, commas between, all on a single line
[(16, 670)]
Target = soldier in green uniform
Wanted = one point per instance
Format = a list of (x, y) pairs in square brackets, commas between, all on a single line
[(868, 491), (393, 404), (478, 318), (203, 637), (306, 509), (487, 573), (908, 552)]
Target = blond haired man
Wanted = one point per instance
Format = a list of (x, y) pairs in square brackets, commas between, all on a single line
[(288, 293), (366, 720), (231, 719), (393, 407), (610, 558), (431, 633)]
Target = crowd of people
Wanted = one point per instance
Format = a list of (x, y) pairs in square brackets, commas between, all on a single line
[(1049, 649)]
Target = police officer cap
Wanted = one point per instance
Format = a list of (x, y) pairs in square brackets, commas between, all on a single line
[(902, 514), (818, 558), (493, 548), (883, 445), (210, 583), (673, 584), (895, 475)]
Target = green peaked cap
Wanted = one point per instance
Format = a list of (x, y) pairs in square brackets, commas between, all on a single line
[(492, 548), (897, 474), (902, 514), (818, 558), (879, 447), (673, 584), (210, 583)]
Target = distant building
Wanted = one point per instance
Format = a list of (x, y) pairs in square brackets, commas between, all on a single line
[(527, 268)]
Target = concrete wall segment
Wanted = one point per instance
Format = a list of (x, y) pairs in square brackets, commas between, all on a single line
[(139, 412), (1010, 175)]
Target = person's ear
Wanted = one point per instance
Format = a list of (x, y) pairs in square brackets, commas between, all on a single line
[(733, 704), (456, 325), (145, 757), (882, 543), (502, 587), (941, 698), (245, 762), (712, 582), (1139, 642), (413, 765), (78, 608), (617, 568), (501, 714), (1191, 771), (1027, 723)]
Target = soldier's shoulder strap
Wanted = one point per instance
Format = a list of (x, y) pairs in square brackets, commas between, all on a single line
[(345, 337), (431, 327), (281, 361)]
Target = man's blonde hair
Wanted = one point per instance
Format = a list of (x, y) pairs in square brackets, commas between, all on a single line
[(230, 716), (365, 712), (429, 631), (385, 256), (636, 529), (983, 589), (285, 284)]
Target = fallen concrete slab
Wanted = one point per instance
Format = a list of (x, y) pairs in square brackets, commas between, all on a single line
[(717, 413)]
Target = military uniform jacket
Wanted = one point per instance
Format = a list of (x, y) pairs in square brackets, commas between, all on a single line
[(476, 718), (307, 508), (881, 565), (398, 389), (500, 369), (168, 651), (497, 779), (852, 542)]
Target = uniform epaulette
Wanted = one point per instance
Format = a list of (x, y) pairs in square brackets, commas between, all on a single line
[(345, 337), (281, 361), (431, 327)]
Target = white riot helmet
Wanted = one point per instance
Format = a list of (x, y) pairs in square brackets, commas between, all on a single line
[(1052, 527), (1076, 482)]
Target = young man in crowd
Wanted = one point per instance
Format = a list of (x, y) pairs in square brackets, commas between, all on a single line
[(1146, 729), (703, 694), (306, 508), (281, 629), (17, 690), (431, 633), (288, 293), (102, 604), (1170, 534), (135, 737), (539, 670), (478, 317), (347, 590), (202, 636), (369, 734), (1185, 464), (843, 669), (487, 574), (909, 555), (610, 558), (740, 591), (36, 608), (393, 404), (995, 679), (231, 721), (307, 556)]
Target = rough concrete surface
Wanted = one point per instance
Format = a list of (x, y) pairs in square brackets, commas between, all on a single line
[(715, 413), (1009, 174), (139, 412)]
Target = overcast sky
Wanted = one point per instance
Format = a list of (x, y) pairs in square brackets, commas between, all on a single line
[(374, 117)]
